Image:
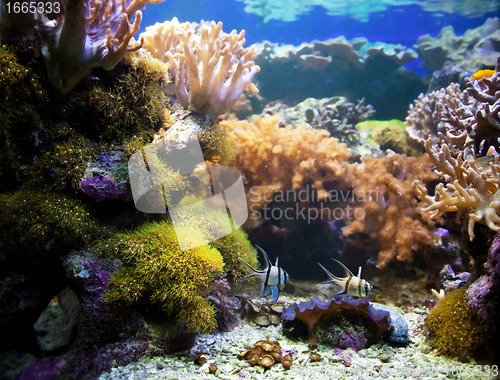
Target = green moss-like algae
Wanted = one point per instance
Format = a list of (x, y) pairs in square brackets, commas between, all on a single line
[(390, 134), (158, 272), (455, 326), (136, 102), (41, 221)]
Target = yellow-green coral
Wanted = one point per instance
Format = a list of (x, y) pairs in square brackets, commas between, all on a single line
[(42, 221), (456, 328), (62, 166), (137, 101), (390, 134), (15, 79), (158, 272)]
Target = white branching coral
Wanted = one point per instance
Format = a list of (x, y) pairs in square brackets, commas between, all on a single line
[(92, 33), (210, 68), (472, 188)]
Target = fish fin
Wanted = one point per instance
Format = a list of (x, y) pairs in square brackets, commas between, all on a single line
[(245, 278), (263, 290), (275, 293), (265, 256), (333, 278), (248, 265), (359, 273), (347, 269), (276, 265)]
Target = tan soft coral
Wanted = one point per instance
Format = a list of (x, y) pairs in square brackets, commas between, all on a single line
[(274, 158), (387, 209), (211, 68), (472, 182), (472, 189)]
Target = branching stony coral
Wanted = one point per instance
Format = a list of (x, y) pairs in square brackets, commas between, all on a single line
[(472, 189)]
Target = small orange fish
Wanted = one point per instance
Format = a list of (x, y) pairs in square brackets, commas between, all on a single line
[(482, 74)]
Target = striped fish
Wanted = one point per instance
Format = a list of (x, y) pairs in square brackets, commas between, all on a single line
[(272, 276), (351, 285)]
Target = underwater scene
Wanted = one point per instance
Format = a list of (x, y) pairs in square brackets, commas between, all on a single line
[(249, 189)]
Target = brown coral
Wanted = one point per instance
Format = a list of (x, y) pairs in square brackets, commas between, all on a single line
[(277, 160), (274, 158), (389, 211)]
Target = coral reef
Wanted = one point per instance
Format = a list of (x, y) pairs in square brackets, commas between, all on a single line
[(158, 272), (455, 326), (200, 62), (339, 67), (388, 208), (471, 189), (336, 115), (64, 183), (340, 322), (472, 51), (99, 36), (274, 158), (266, 353), (382, 200)]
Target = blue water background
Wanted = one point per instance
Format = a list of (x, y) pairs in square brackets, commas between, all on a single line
[(398, 25)]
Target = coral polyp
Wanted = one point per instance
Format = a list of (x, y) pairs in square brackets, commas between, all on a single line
[(455, 326), (159, 273)]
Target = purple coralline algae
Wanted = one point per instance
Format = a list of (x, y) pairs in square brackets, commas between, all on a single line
[(225, 304), (111, 334), (484, 293), (103, 189), (41, 369)]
